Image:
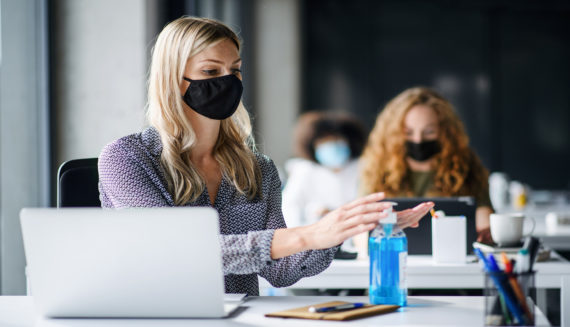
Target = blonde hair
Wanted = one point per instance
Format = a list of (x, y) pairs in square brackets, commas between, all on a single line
[(459, 170), (178, 41)]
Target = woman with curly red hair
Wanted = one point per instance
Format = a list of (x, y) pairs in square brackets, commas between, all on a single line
[(418, 147)]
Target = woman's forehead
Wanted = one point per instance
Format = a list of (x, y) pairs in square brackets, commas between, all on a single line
[(421, 113), (224, 48)]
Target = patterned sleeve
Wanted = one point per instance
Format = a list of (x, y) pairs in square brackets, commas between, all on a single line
[(287, 271), (124, 179), (246, 253)]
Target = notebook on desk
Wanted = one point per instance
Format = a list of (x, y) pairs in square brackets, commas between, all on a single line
[(511, 252), (151, 262), (305, 312)]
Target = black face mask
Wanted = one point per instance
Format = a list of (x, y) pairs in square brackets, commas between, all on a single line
[(215, 98), (422, 151)]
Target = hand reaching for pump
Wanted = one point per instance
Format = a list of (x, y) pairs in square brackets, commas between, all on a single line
[(411, 217), (356, 217)]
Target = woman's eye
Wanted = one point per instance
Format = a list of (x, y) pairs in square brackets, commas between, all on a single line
[(236, 71), (209, 71)]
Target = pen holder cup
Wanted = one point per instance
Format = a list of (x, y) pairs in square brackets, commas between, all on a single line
[(509, 299)]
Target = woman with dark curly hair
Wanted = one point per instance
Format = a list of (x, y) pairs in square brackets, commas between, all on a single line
[(418, 147), (324, 173)]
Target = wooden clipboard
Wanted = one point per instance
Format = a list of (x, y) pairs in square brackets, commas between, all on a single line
[(303, 312)]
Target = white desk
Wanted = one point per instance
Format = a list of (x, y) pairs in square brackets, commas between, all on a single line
[(423, 273), (422, 311)]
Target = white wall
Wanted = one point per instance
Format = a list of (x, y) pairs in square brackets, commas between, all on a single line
[(100, 69), (100, 73), (277, 97)]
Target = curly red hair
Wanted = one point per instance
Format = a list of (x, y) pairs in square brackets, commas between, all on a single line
[(384, 168)]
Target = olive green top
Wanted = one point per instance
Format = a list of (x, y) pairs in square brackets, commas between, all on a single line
[(421, 183)]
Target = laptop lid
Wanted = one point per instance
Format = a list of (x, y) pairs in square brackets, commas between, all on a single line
[(143, 262), (419, 239)]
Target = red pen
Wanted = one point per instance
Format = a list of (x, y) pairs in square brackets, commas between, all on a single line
[(515, 285)]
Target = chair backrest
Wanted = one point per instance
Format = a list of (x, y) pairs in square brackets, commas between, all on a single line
[(78, 183)]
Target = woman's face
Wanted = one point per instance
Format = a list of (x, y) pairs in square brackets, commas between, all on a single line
[(215, 61), (329, 138), (421, 124), (332, 151)]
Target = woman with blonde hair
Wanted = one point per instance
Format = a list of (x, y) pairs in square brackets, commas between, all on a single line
[(199, 151), (418, 147)]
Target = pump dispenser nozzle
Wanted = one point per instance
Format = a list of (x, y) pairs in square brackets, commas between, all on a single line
[(391, 218)]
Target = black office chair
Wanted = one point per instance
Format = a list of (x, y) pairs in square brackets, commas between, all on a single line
[(78, 183)]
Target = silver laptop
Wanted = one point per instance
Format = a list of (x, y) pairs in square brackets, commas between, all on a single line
[(151, 262)]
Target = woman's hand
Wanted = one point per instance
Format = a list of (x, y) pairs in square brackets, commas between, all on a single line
[(359, 216), (353, 218), (483, 223), (484, 236), (356, 217), (411, 217)]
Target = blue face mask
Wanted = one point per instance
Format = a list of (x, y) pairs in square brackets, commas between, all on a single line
[(332, 154)]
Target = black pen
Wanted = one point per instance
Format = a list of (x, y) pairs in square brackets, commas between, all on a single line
[(337, 307)]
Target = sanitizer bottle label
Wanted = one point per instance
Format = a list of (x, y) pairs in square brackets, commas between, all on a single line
[(403, 259)]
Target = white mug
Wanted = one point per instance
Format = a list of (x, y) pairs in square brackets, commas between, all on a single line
[(507, 228)]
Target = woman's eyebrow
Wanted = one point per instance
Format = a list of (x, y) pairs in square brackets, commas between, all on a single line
[(219, 61), (426, 126)]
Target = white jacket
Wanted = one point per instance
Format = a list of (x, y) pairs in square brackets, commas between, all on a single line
[(312, 188)]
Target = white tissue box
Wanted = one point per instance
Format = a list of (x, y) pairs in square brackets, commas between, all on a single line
[(449, 239)]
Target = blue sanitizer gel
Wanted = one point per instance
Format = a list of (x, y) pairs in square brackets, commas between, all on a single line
[(388, 248)]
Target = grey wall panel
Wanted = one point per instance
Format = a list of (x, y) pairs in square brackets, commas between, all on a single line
[(23, 129)]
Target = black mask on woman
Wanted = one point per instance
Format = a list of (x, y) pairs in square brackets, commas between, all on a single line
[(215, 98), (422, 151)]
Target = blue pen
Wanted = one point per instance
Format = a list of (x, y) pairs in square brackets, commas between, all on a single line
[(504, 289), (493, 263), (481, 256), (341, 307)]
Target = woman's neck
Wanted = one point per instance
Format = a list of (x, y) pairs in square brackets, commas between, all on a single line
[(419, 165), (207, 132)]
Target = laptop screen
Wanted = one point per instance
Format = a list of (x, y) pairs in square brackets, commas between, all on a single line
[(138, 262)]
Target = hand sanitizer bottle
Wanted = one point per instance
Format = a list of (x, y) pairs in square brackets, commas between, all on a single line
[(388, 247)]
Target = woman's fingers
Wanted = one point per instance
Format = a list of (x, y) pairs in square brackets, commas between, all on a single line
[(366, 208), (358, 229), (411, 217), (368, 218), (421, 209), (374, 197)]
